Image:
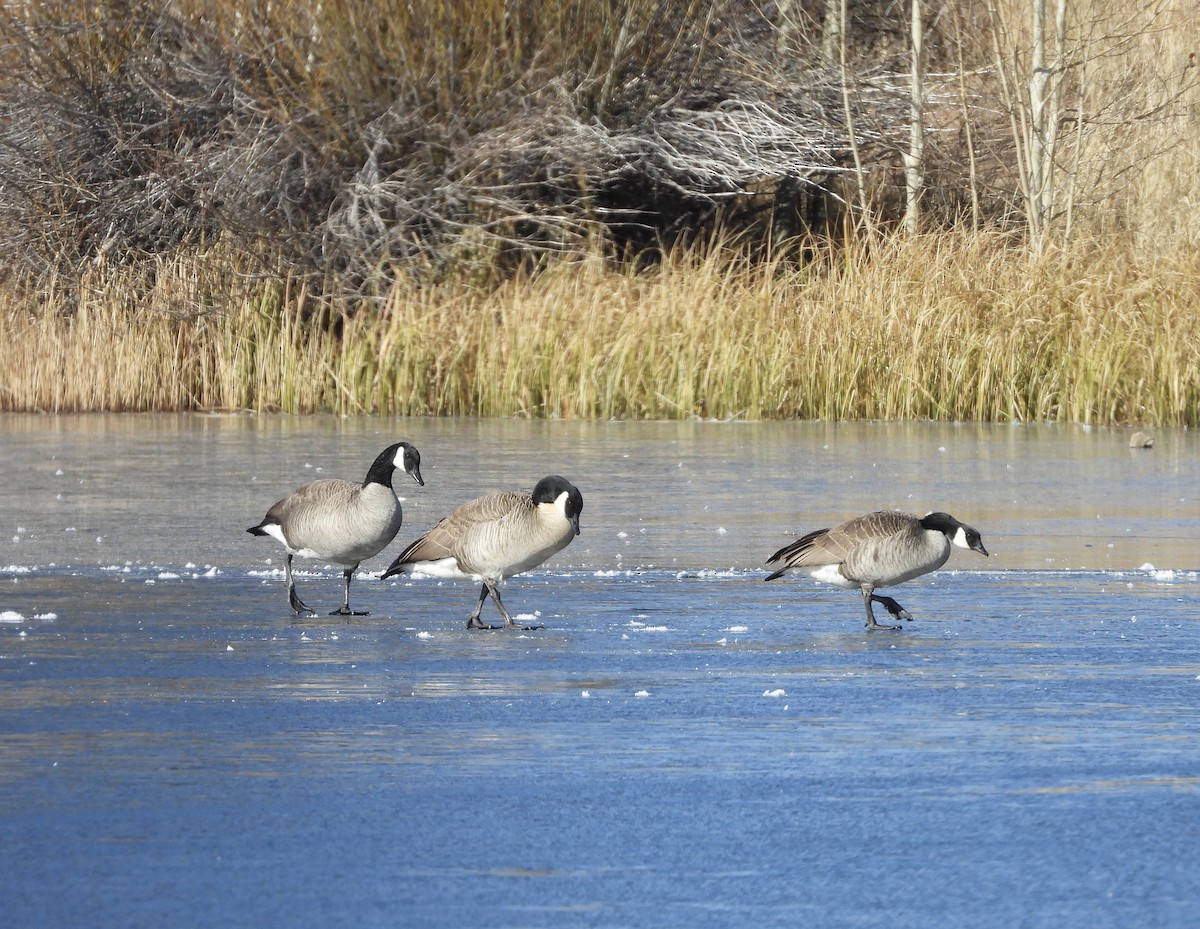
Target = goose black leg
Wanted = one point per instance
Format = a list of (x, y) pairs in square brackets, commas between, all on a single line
[(868, 592), (508, 620), (345, 610), (294, 601), (473, 622)]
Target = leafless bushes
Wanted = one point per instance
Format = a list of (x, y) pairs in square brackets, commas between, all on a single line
[(132, 132), (377, 139), (366, 141), (555, 179)]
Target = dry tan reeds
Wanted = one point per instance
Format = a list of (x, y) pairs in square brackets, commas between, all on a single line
[(933, 327)]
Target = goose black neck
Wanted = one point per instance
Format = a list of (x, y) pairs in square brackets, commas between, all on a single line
[(383, 467), (941, 522)]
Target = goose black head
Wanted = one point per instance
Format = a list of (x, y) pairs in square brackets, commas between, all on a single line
[(958, 533), (401, 455), (560, 492)]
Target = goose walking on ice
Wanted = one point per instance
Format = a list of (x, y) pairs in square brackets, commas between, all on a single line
[(877, 550), (494, 537), (341, 521)]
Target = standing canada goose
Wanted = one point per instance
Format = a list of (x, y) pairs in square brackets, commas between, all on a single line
[(877, 550), (341, 521), (495, 537)]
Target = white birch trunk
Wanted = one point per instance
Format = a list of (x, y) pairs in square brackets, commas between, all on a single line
[(914, 159), (1038, 139), (831, 32)]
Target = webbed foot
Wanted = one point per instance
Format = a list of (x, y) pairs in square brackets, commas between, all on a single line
[(892, 607), (299, 606)]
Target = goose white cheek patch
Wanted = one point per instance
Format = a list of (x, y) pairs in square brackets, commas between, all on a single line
[(960, 538)]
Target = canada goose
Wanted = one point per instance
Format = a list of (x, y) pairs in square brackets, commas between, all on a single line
[(877, 550), (341, 521), (495, 537)]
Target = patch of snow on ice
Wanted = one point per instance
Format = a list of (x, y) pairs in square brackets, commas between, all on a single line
[(11, 616), (642, 693), (778, 692)]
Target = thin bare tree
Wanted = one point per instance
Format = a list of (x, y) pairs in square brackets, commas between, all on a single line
[(914, 158)]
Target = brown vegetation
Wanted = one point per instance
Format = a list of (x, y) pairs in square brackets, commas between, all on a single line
[(436, 207)]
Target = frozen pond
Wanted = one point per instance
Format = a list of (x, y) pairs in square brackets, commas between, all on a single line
[(682, 746)]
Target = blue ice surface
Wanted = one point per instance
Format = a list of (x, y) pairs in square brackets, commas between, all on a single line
[(674, 749)]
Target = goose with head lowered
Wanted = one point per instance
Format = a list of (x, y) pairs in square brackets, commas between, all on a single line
[(494, 537), (877, 550), (341, 521)]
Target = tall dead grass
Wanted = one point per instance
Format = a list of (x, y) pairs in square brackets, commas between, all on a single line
[(947, 327)]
